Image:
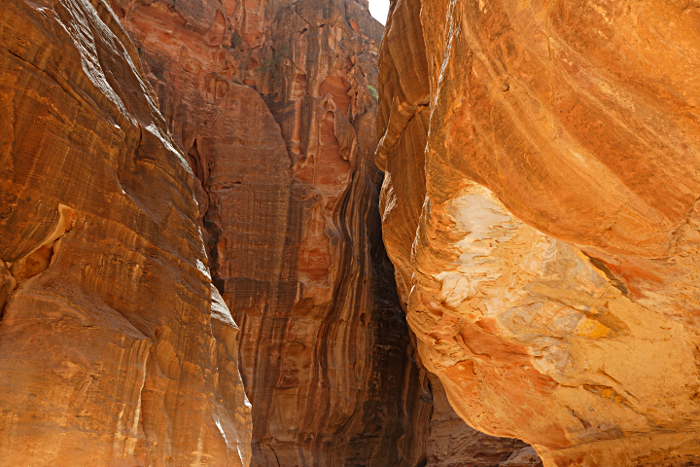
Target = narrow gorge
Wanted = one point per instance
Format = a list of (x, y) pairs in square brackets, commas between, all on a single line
[(276, 233)]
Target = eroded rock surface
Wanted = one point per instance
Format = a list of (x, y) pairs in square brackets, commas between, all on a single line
[(273, 104), (540, 208), (111, 352), (453, 443)]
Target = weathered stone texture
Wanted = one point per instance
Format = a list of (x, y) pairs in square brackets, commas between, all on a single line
[(272, 102), (110, 351), (453, 443), (540, 208)]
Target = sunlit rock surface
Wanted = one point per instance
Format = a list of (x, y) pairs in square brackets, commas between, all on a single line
[(274, 105), (452, 443), (540, 207), (114, 349)]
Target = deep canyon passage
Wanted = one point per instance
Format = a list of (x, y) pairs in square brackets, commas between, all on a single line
[(275, 233)]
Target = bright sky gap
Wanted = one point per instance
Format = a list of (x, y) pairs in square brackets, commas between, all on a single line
[(379, 9)]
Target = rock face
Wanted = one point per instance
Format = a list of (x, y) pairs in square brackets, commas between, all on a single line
[(274, 104), (540, 207), (453, 443), (114, 347)]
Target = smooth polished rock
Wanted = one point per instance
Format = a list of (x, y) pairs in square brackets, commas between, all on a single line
[(110, 352), (540, 208)]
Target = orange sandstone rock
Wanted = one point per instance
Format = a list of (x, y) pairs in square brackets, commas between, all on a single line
[(453, 443), (539, 205), (272, 103), (112, 349)]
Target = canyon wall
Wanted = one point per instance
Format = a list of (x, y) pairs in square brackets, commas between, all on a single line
[(274, 103), (539, 205), (453, 443), (114, 347)]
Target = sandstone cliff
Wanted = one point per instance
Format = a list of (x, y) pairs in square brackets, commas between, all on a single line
[(114, 347), (453, 443), (540, 207), (274, 104)]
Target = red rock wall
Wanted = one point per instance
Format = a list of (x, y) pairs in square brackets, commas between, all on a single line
[(114, 347), (272, 102), (539, 206)]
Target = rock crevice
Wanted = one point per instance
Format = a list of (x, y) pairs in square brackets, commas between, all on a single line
[(272, 104)]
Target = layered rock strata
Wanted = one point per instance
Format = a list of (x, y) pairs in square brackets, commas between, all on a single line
[(114, 347), (274, 104), (540, 208)]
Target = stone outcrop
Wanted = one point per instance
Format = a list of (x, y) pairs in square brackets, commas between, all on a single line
[(453, 443), (114, 347), (540, 207), (274, 103)]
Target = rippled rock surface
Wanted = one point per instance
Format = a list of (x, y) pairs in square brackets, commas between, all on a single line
[(114, 347), (274, 104), (540, 208)]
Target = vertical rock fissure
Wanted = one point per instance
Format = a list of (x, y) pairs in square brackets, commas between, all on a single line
[(278, 129)]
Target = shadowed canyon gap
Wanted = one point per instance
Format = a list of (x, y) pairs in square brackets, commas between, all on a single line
[(272, 103), (116, 349), (164, 162), (540, 207), (275, 106)]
